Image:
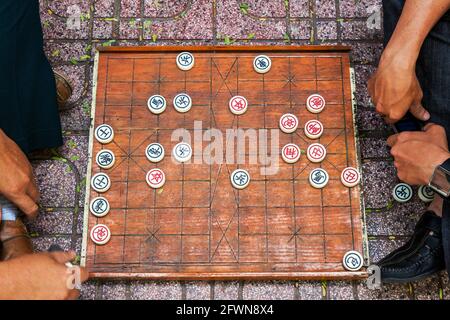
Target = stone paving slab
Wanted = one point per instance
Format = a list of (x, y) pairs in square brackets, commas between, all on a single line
[(61, 177)]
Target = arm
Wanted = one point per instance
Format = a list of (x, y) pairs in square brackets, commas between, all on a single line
[(417, 19), (417, 154), (394, 87), (16, 177), (38, 276)]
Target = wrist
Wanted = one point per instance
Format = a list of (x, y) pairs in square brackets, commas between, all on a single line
[(400, 57), (439, 160), (440, 179), (443, 156)]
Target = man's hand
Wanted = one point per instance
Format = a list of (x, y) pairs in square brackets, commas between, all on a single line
[(394, 89), (16, 177), (38, 276), (417, 154)]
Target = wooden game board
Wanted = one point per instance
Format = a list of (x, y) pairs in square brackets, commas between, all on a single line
[(197, 226)]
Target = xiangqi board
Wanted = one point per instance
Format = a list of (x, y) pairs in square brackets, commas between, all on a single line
[(197, 225)]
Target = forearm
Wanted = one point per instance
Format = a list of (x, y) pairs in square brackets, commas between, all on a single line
[(416, 21), (7, 283)]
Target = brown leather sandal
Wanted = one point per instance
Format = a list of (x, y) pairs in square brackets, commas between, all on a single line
[(15, 240), (63, 89)]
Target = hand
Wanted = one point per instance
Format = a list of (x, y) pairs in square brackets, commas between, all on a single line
[(16, 177), (417, 154), (394, 89), (38, 276)]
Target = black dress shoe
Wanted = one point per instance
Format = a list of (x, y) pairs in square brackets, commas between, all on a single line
[(420, 257), (429, 221)]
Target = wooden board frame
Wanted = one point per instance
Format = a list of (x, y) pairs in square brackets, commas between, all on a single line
[(273, 270)]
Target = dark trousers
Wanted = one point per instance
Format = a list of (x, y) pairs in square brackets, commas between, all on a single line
[(28, 107), (433, 72)]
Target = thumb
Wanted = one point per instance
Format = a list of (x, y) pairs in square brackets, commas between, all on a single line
[(419, 112), (62, 256)]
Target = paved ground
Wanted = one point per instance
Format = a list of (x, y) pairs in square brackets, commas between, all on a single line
[(158, 22)]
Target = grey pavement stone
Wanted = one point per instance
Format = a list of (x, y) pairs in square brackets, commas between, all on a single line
[(76, 118), (363, 74), (387, 292), (326, 30), (267, 9), (56, 182), (62, 52), (232, 23), (102, 29), (162, 9), (198, 290), (54, 23), (357, 30), (103, 8), (359, 8), (226, 290), (379, 248), (325, 8), (309, 290), (445, 285), (366, 53), (132, 8), (374, 148), (78, 76), (301, 30), (340, 290), (43, 243), (89, 290), (78, 243), (369, 120), (52, 223), (116, 290), (142, 290), (299, 9), (400, 220), (75, 149), (192, 23), (276, 290), (428, 289), (379, 177)]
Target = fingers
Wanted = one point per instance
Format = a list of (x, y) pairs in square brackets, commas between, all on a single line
[(392, 140), (392, 115), (33, 191), (419, 112), (26, 204), (408, 136), (62, 256), (434, 127), (438, 134), (428, 126)]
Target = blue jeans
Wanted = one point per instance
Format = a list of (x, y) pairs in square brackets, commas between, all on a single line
[(433, 72)]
